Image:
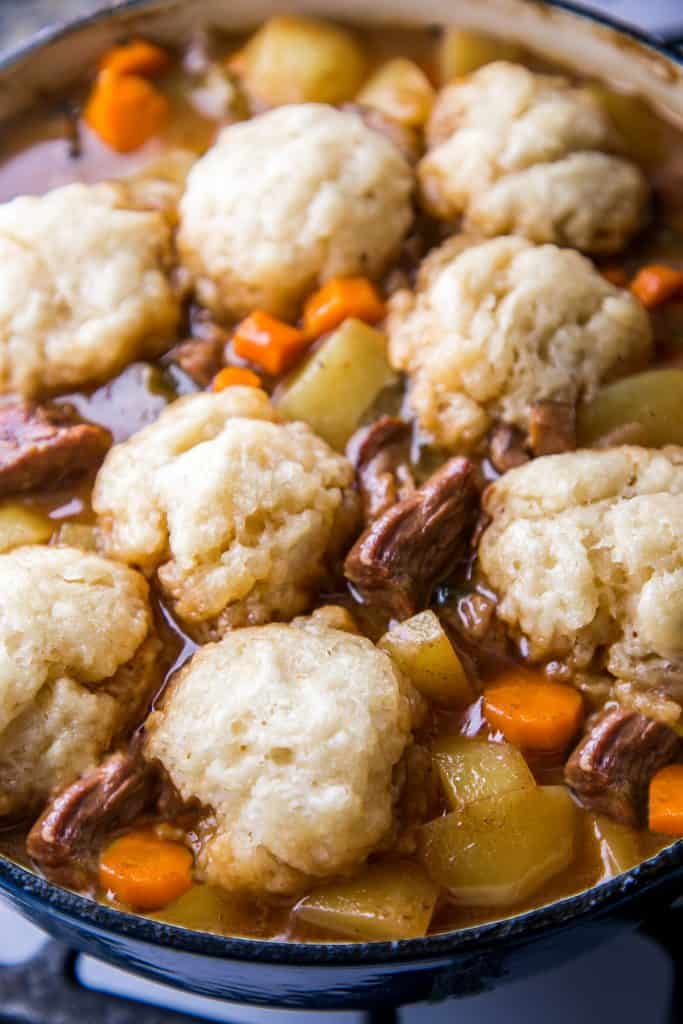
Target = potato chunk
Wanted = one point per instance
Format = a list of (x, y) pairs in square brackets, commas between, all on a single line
[(645, 407), (387, 901), (20, 525), (401, 90), (421, 649), (497, 852), (463, 51), (473, 770), (301, 60), (338, 383), (619, 846), (636, 123), (206, 908)]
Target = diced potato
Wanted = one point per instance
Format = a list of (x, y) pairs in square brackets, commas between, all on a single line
[(338, 382), (472, 769), (301, 60), (78, 535), (400, 89), (206, 908), (636, 123), (497, 852), (21, 525), (463, 51), (619, 846), (421, 648), (650, 401), (387, 901)]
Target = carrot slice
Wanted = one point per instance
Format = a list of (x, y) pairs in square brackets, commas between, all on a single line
[(145, 871), (268, 342), (532, 713), (666, 801), (339, 299), (656, 284), (235, 376), (125, 110), (616, 276), (138, 57)]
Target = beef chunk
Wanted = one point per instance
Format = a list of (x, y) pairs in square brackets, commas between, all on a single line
[(43, 446), (397, 561), (201, 358), (108, 797), (475, 630), (202, 354), (552, 428), (381, 455), (506, 448), (611, 768)]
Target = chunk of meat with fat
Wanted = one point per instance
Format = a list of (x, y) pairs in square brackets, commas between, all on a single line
[(397, 561), (199, 358), (43, 446), (552, 427), (111, 795), (202, 354), (611, 768), (506, 447), (381, 455)]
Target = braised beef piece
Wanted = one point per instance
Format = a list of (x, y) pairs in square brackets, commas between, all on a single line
[(381, 455), (199, 358), (44, 446), (109, 796), (399, 558), (406, 140), (611, 768), (506, 448), (475, 630), (202, 354), (552, 428)]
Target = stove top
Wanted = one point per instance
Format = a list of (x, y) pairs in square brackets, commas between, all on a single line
[(629, 979)]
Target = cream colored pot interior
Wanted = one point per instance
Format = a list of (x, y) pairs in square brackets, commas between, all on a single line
[(571, 40)]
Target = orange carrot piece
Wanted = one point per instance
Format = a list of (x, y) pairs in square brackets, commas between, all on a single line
[(235, 376), (339, 299), (144, 871), (616, 276), (656, 284), (268, 342), (666, 801), (125, 111), (532, 713), (138, 57)]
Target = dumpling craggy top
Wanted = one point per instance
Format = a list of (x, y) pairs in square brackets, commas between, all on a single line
[(340, 472)]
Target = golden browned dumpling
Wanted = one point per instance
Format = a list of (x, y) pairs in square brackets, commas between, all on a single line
[(289, 736), (85, 288), (237, 513), (517, 152), (78, 658), (585, 551), (495, 326), (288, 200)]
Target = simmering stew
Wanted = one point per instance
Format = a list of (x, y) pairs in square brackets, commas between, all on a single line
[(341, 478)]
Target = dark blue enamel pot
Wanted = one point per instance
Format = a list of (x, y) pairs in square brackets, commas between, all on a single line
[(367, 975)]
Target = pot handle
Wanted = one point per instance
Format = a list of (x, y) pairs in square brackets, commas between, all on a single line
[(45, 990)]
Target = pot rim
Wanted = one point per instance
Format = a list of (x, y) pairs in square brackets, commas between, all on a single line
[(28, 889)]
